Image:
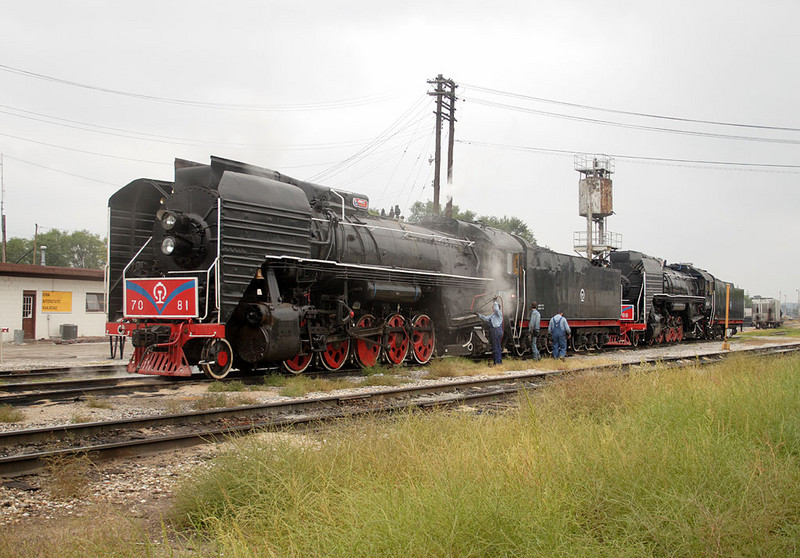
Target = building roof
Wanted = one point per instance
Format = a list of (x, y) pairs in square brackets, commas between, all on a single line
[(50, 272)]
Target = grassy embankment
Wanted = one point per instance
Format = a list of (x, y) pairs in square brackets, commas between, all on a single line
[(683, 463), (690, 462), (790, 329)]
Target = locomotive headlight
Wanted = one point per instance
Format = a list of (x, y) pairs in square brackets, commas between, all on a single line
[(176, 246), (168, 219), (168, 245)]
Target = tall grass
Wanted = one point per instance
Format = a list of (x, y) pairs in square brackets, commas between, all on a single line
[(680, 463)]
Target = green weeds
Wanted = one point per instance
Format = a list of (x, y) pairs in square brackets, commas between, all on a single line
[(699, 461)]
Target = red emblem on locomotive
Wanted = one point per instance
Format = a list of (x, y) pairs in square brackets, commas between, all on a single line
[(161, 298)]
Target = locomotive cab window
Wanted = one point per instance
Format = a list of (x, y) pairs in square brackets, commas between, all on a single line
[(512, 263)]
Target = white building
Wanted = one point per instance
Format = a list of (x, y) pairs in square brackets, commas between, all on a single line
[(39, 300)]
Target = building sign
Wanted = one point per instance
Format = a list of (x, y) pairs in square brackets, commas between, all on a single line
[(56, 301), (161, 298)]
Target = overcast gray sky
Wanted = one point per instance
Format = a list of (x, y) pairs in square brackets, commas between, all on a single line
[(94, 94)]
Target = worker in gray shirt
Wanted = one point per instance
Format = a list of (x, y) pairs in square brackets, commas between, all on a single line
[(533, 330)]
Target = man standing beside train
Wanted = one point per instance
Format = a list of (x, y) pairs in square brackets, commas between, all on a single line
[(559, 330), (495, 321), (533, 330)]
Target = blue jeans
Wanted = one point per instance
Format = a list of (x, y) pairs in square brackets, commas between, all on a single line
[(559, 344), (497, 344), (535, 345)]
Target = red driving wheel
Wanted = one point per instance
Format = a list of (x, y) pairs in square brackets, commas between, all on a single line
[(366, 352), (335, 355), (396, 340), (298, 363), (422, 338)]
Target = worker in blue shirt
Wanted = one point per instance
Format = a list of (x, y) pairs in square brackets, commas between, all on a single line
[(533, 329), (495, 321), (559, 330)]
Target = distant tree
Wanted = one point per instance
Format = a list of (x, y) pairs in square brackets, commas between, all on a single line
[(87, 250), (77, 249), (17, 249), (421, 211), (514, 225)]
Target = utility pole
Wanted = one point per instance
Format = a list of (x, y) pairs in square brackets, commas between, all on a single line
[(445, 94), (3, 207), (35, 238)]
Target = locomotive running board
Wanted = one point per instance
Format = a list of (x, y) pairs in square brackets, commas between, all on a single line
[(375, 272)]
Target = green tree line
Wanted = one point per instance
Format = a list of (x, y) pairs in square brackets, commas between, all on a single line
[(64, 249), (421, 211)]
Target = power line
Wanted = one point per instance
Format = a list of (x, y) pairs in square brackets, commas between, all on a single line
[(631, 113), (84, 151), (630, 126), (60, 171), (170, 140), (325, 105), (415, 111), (730, 165)]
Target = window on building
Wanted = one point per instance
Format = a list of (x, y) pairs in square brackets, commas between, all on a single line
[(95, 302), (27, 306)]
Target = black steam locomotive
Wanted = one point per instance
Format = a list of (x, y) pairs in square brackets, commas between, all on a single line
[(233, 265)]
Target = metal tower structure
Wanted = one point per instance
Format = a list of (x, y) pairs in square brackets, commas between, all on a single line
[(595, 202)]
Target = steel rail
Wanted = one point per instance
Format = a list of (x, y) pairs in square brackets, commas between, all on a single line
[(510, 384), (83, 388), (59, 371)]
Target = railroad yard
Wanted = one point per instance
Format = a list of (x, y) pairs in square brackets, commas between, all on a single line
[(140, 486)]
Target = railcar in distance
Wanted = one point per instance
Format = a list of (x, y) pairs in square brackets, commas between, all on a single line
[(766, 312)]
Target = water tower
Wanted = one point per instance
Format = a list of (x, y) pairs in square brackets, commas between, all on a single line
[(595, 202)]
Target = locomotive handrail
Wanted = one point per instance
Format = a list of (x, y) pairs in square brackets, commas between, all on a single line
[(208, 282), (187, 272), (388, 269), (341, 197), (133, 259)]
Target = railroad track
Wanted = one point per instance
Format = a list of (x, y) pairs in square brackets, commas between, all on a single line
[(43, 388), (25, 393), (28, 450), (59, 372)]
